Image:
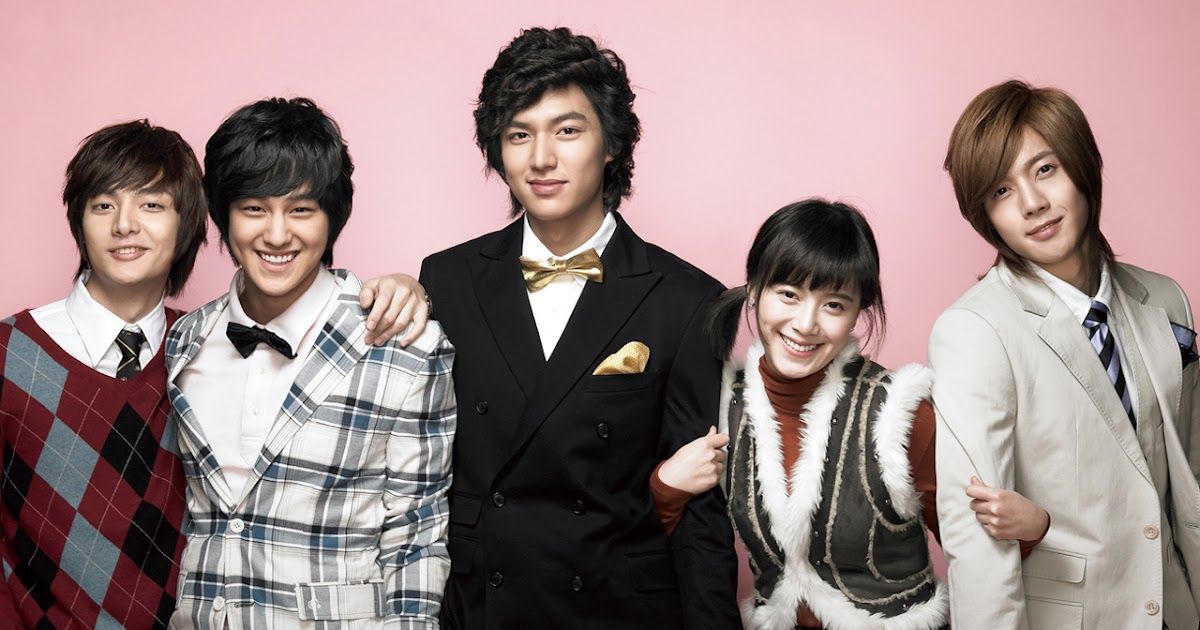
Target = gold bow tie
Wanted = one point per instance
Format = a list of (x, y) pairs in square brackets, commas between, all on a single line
[(539, 273)]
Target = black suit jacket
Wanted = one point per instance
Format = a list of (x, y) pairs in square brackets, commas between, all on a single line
[(551, 520)]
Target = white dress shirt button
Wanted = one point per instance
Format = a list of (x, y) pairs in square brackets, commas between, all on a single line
[(1152, 607), (219, 603), (1150, 532), (237, 525)]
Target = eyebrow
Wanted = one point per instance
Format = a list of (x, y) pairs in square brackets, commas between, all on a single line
[(1035, 159), (571, 115), (842, 296)]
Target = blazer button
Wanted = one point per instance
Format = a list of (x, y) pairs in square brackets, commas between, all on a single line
[(577, 508), (1151, 607), (602, 430), (576, 584), (481, 407), (496, 579), (1150, 532), (498, 500)]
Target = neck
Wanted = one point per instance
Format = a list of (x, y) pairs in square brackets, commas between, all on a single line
[(130, 303), (1079, 273), (263, 308), (561, 236)]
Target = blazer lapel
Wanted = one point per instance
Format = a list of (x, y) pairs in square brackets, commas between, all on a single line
[(183, 343), (500, 291), (602, 309), (1066, 337), (1153, 341), (338, 348)]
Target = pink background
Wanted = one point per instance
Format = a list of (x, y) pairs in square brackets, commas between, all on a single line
[(745, 106)]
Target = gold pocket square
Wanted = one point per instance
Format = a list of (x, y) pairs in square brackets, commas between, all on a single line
[(630, 359)]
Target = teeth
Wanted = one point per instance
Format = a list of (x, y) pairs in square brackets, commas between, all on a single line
[(797, 347), (127, 250), (277, 260)]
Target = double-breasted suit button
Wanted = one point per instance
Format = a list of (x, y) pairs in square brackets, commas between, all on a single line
[(498, 500), (481, 407), (576, 584), (1152, 607), (602, 430), (577, 508), (1150, 532), (496, 579)]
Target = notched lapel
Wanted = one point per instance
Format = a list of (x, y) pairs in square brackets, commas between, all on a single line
[(602, 310), (338, 348), (500, 291), (1155, 342)]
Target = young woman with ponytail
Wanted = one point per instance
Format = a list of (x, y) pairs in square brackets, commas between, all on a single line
[(831, 484)]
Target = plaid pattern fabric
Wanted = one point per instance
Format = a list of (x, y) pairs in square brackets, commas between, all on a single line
[(93, 494), (343, 521)]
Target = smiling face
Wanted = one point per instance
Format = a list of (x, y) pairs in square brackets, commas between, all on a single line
[(279, 242), (1039, 212), (554, 158), (802, 330), (129, 237)]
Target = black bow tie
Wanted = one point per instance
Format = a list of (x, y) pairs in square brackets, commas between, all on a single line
[(246, 338)]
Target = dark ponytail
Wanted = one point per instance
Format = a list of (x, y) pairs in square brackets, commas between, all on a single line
[(722, 322)]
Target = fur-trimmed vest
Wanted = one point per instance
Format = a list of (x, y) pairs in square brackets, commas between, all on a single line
[(849, 541)]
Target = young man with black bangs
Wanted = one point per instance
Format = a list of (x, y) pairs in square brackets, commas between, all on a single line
[(583, 363), (318, 465)]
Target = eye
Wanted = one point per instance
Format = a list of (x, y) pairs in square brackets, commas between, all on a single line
[(154, 206), (1000, 192), (302, 210), (788, 294), (103, 206), (836, 306), (569, 131), (252, 209), (1046, 168), (517, 136)]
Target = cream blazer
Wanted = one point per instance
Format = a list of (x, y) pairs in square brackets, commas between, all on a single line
[(1023, 403)]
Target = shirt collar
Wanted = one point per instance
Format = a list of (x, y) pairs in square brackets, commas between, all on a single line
[(98, 327), (532, 246), (295, 322), (1077, 301)]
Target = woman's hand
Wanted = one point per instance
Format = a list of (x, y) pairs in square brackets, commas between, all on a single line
[(698, 465), (397, 302), (1007, 515)]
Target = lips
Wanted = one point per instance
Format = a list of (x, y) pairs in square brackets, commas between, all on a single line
[(1046, 230), (546, 187), (799, 348), (128, 252), (276, 261)]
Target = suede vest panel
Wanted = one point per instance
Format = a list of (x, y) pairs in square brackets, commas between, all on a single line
[(860, 546)]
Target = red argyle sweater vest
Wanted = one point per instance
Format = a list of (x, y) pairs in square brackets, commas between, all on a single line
[(91, 492)]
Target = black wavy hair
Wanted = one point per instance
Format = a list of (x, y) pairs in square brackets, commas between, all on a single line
[(813, 243), (275, 147), (542, 59)]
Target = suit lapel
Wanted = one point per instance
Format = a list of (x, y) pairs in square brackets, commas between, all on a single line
[(338, 348), (1066, 337), (1154, 343), (602, 310), (183, 344), (502, 297)]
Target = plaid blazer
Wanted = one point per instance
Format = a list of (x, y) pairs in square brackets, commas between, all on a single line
[(343, 520)]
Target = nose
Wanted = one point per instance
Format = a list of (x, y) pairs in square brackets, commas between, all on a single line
[(544, 158), (125, 220), (804, 320), (1033, 200), (277, 233)]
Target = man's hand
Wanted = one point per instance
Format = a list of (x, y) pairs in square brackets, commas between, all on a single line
[(698, 465), (397, 304), (1007, 515)]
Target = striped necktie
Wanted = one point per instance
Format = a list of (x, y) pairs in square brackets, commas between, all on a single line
[(1102, 340), (129, 342)]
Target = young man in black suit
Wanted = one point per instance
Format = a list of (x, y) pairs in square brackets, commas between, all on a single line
[(582, 363)]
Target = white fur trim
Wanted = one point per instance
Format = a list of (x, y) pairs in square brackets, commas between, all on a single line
[(909, 386), (791, 514)]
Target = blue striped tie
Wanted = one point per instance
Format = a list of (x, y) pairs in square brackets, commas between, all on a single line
[(1102, 340)]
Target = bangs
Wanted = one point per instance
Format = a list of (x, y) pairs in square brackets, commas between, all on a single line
[(824, 254), (286, 169)]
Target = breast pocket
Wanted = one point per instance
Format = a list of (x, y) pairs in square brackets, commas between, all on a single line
[(621, 382)]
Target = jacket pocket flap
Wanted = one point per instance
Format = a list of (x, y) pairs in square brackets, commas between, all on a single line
[(464, 510), (1055, 564), (332, 601), (651, 571)]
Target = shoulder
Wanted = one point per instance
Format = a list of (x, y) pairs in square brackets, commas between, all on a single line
[(461, 251), (681, 276), (1161, 290)]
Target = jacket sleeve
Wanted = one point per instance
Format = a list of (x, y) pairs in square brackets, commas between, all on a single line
[(974, 394), (702, 542), (412, 548)]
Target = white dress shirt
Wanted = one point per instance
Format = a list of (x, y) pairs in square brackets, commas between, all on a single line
[(237, 400), (88, 332), (552, 306), (1079, 304)]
